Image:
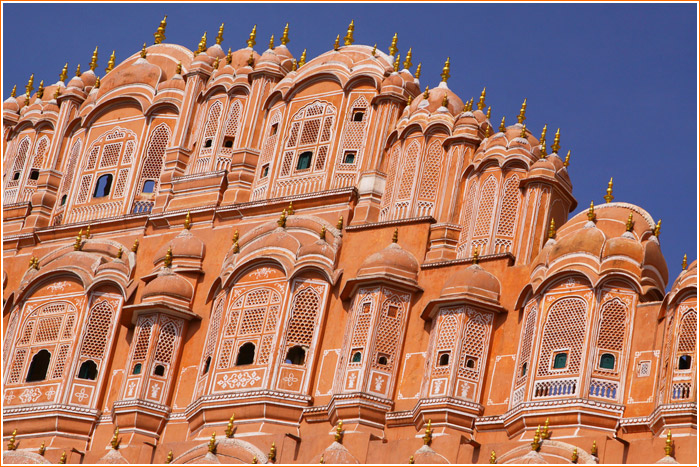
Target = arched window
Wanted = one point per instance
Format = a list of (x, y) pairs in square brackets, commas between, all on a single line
[(296, 355), (136, 370), (523, 369), (103, 186), (356, 357), (159, 370), (63, 200), (560, 361), (304, 161), (444, 359), (246, 354), (39, 366), (382, 360), (607, 361), (88, 370), (684, 362), (148, 186), (470, 363), (207, 364)]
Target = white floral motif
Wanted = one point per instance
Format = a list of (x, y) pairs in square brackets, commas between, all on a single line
[(239, 380), (9, 395), (378, 383), (262, 272), (130, 388), (351, 380), (81, 395), (437, 384), (30, 395), (155, 389), (57, 286), (290, 379), (50, 393)]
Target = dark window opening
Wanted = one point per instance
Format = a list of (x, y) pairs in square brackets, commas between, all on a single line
[(366, 307), (136, 370), (39, 366), (356, 357), (296, 355), (15, 176), (63, 199), (304, 161), (228, 142), (148, 186), (159, 370), (560, 361), (523, 369), (349, 158), (246, 354), (34, 175), (207, 143), (383, 359), (607, 361), (471, 363), (103, 185), (88, 370), (207, 364), (273, 129), (392, 311), (358, 115), (266, 170), (444, 359), (684, 362)]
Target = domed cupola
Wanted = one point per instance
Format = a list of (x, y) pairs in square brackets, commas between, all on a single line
[(438, 101), (168, 285), (10, 106), (244, 60), (186, 249), (401, 83), (474, 124)]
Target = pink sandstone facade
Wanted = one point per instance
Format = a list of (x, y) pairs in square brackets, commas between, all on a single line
[(356, 270)]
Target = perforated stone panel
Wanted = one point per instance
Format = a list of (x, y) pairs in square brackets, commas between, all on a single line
[(166, 343), (526, 343), (564, 329), (97, 330)]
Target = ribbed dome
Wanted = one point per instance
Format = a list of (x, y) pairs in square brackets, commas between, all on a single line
[(435, 100), (475, 281), (185, 245), (169, 284), (392, 260), (10, 105)]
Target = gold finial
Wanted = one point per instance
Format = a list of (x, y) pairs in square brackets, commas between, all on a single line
[(62, 460), (322, 234), (684, 264), (93, 60), (220, 35), (40, 91), (521, 115), (64, 73), (251, 59), (271, 44), (591, 212), (178, 68), (87, 231), (272, 455), (78, 241), (336, 46), (169, 459), (657, 229), (397, 61), (374, 50), (159, 35), (466, 107), (566, 159), (488, 113), (339, 225), (229, 56), (427, 92), (339, 432), (535, 444), (395, 237), (30, 84), (428, 436), (407, 63), (608, 193), (110, 63), (349, 39), (216, 63), (77, 71), (545, 430), (33, 263), (302, 59), (14, 91), (212, 443), (57, 92), (411, 460), (492, 459), (229, 425), (282, 221), (120, 253), (143, 51), (11, 446), (392, 48), (523, 133), (487, 132), (255, 459), (115, 439), (552, 229), (471, 104), (543, 136), (410, 99), (236, 236), (42, 448), (418, 69), (574, 456), (202, 46), (446, 71), (543, 150), (168, 261), (285, 35), (97, 83), (251, 38), (444, 100), (594, 449), (502, 126), (321, 461), (630, 223), (188, 221), (482, 100), (135, 246), (555, 145), (290, 209), (668, 449), (475, 256)]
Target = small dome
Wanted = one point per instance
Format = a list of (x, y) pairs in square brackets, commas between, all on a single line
[(76, 82), (475, 281), (435, 100), (392, 260), (215, 51), (427, 455), (169, 284), (239, 58), (588, 241), (10, 105), (624, 246), (89, 79), (185, 245)]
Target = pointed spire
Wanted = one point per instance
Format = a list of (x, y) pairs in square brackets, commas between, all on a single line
[(410, 99), (657, 229), (521, 115), (535, 444), (397, 61), (251, 59), (229, 427), (322, 234), (57, 92), (487, 132), (446, 71), (552, 229), (211, 447), (566, 159), (395, 237), (220, 35), (475, 256), (684, 264), (42, 448), (392, 48), (418, 69), (594, 449), (40, 91), (115, 439), (339, 225), (488, 113), (668, 448), (251, 38), (285, 35), (93, 60), (169, 459), (97, 83), (426, 93), (159, 35), (349, 39), (608, 193), (178, 68), (471, 104), (336, 45), (202, 46), (14, 91), (428, 436), (216, 63), (120, 253), (523, 132), (168, 261), (302, 59), (407, 63), (574, 456), (630, 223), (78, 245), (492, 459), (482, 100), (591, 212), (188, 221), (411, 460), (273, 452), (143, 51), (62, 460), (77, 71), (339, 432), (135, 246), (271, 44), (502, 126), (64, 73), (444, 100), (543, 151), (555, 145), (30, 84), (282, 221), (374, 50), (229, 56), (543, 136), (110, 63)]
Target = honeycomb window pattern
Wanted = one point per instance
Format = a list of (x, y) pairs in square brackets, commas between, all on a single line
[(613, 329), (97, 330), (302, 322), (565, 328), (155, 157), (526, 344)]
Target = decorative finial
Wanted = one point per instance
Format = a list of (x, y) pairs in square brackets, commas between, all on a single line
[(475, 256), (410, 99), (426, 93), (57, 92), (168, 261), (285, 35), (220, 35), (302, 59), (251, 59), (11, 446), (446, 71), (62, 460), (229, 425), (594, 449), (444, 100), (374, 50), (543, 136), (668, 449), (492, 459), (272, 455), (40, 91), (77, 71), (188, 221), (235, 236), (552, 229), (143, 51), (251, 38), (120, 253), (608, 193), (115, 439), (290, 209), (14, 90), (543, 150), (202, 46), (482, 100), (502, 126), (30, 84), (521, 115), (684, 264), (566, 159), (97, 83), (397, 61), (349, 39), (555, 145), (411, 460), (110, 63), (339, 432), (574, 456), (159, 35), (523, 133), (216, 63), (487, 131), (135, 246), (212, 443), (466, 107), (392, 48), (87, 231), (488, 113), (33, 263), (428, 436), (545, 431), (42, 448), (630, 223), (78, 245), (395, 237), (657, 229), (64, 74), (322, 234), (178, 68), (93, 60), (536, 440), (471, 104), (336, 46), (321, 461), (282, 221), (169, 459), (339, 225), (418, 69), (591, 212), (407, 63)]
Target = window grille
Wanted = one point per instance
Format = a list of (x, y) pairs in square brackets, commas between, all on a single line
[(565, 328)]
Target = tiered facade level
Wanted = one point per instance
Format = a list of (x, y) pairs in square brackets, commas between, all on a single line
[(413, 284)]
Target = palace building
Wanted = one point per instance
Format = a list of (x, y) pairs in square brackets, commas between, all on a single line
[(239, 257)]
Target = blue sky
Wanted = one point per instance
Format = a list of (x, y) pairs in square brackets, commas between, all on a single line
[(620, 80)]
